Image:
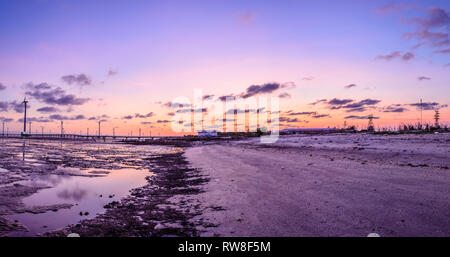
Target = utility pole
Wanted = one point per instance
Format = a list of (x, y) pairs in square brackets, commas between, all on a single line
[(25, 102), (29, 129), (139, 132), (62, 128), (370, 126), (421, 113), (42, 130), (99, 133), (3, 133), (87, 132)]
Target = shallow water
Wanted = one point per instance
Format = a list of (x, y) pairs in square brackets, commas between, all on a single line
[(85, 175), (87, 194)]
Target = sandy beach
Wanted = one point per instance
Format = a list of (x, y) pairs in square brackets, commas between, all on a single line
[(328, 185)]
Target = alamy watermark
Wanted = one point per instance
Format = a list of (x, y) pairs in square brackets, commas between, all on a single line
[(227, 114)]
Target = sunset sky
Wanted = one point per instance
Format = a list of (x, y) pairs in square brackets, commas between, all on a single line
[(122, 61)]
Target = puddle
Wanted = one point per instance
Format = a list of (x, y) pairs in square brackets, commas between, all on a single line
[(83, 191)]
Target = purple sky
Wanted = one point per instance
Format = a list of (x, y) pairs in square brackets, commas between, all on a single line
[(119, 61)]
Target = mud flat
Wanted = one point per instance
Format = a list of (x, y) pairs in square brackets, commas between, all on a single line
[(56, 188), (326, 185)]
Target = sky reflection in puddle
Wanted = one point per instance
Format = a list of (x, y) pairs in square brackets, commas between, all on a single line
[(87, 194)]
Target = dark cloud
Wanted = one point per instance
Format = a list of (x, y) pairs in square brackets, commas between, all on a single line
[(289, 120), (146, 122), (34, 119), (6, 120), (163, 121), (284, 95), (362, 103), (48, 109), (394, 108), (18, 107), (318, 116), (142, 116), (208, 97), (80, 79), (338, 102), (356, 117), (428, 105), (128, 117), (260, 89), (423, 78), (192, 110), (224, 97), (2, 87), (301, 113), (350, 86), (54, 96), (396, 55), (171, 113), (62, 117), (102, 118)]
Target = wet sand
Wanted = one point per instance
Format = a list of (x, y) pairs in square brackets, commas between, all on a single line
[(329, 185)]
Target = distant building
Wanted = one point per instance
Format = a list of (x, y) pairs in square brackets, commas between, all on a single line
[(207, 133)]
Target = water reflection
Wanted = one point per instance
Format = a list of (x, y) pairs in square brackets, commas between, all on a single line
[(86, 194)]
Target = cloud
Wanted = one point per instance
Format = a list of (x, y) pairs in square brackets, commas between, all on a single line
[(4, 106), (394, 108), (301, 113), (289, 120), (350, 86), (260, 89), (112, 72), (2, 87), (246, 18), (396, 55), (163, 121), (128, 117), (318, 101), (443, 51), (146, 122), (6, 120), (284, 95), (18, 107), (339, 102), (428, 106), (53, 96), (307, 78), (423, 78), (437, 17), (224, 97), (101, 118), (34, 119), (434, 39), (48, 109), (207, 97), (61, 117), (288, 85), (317, 116), (392, 8), (142, 116), (356, 117), (80, 79)]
